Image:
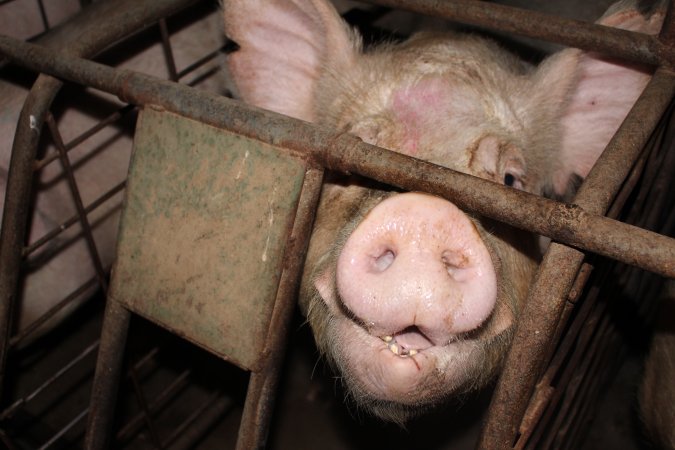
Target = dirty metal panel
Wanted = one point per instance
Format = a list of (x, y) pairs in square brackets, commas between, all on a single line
[(202, 238)]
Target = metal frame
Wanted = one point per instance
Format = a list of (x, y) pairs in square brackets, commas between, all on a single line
[(561, 275)]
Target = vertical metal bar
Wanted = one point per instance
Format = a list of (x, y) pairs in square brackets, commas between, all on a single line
[(107, 376), (262, 385), (168, 52), (43, 15), (17, 203), (560, 266)]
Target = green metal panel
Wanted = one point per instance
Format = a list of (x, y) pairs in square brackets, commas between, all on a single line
[(203, 233)]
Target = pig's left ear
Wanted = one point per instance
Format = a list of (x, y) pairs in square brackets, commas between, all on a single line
[(284, 50), (595, 94)]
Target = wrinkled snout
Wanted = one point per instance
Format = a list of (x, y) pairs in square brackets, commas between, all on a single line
[(416, 273)]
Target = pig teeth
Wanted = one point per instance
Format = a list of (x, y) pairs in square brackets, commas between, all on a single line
[(395, 349)]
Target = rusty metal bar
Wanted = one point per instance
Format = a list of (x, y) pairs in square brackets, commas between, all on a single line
[(262, 385), (190, 421), (72, 220), (168, 51), (121, 19), (147, 415), (569, 224), (112, 118), (65, 429), (197, 64), (107, 376), (559, 268), (650, 203), (159, 402), (51, 312), (216, 410), (628, 45), (62, 371)]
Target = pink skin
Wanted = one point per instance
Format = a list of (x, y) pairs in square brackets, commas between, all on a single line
[(417, 270)]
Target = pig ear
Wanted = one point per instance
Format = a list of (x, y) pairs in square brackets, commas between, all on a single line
[(284, 49), (600, 93)]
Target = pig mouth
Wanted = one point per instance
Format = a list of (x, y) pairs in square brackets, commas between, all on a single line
[(404, 367), (406, 344)]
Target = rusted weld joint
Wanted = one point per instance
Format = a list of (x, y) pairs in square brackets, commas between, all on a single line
[(566, 217), (339, 147)]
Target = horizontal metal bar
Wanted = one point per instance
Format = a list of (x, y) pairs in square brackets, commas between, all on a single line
[(62, 371), (565, 223), (624, 44)]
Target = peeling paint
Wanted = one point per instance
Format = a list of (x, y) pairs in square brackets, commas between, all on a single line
[(243, 164), (270, 221)]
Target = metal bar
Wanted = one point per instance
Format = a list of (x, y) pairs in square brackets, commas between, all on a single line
[(72, 220), (147, 415), (77, 198), (62, 371), (51, 312), (65, 429), (189, 438), (159, 402), (168, 52), (191, 419), (624, 44), (120, 18), (107, 376), (262, 385), (197, 64), (6, 440), (569, 224), (86, 135), (559, 268), (43, 15)]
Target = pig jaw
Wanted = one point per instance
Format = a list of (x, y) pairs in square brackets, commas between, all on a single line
[(411, 304)]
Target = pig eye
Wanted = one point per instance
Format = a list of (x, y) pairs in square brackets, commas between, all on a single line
[(513, 181)]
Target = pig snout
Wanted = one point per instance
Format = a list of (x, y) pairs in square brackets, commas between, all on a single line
[(416, 274)]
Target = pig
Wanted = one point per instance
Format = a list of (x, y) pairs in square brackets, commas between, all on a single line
[(657, 389), (411, 300), (64, 265)]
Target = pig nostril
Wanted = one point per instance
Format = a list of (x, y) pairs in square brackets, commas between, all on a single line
[(383, 261), (455, 263)]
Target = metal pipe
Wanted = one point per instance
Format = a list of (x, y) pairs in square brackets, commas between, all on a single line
[(86, 36), (624, 44), (565, 223), (556, 274), (257, 412)]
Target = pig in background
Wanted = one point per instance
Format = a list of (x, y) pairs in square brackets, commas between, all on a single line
[(657, 390), (411, 300)]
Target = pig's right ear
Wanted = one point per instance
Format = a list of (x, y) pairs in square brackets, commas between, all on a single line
[(285, 48)]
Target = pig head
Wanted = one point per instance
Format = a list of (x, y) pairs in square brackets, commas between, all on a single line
[(409, 298)]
